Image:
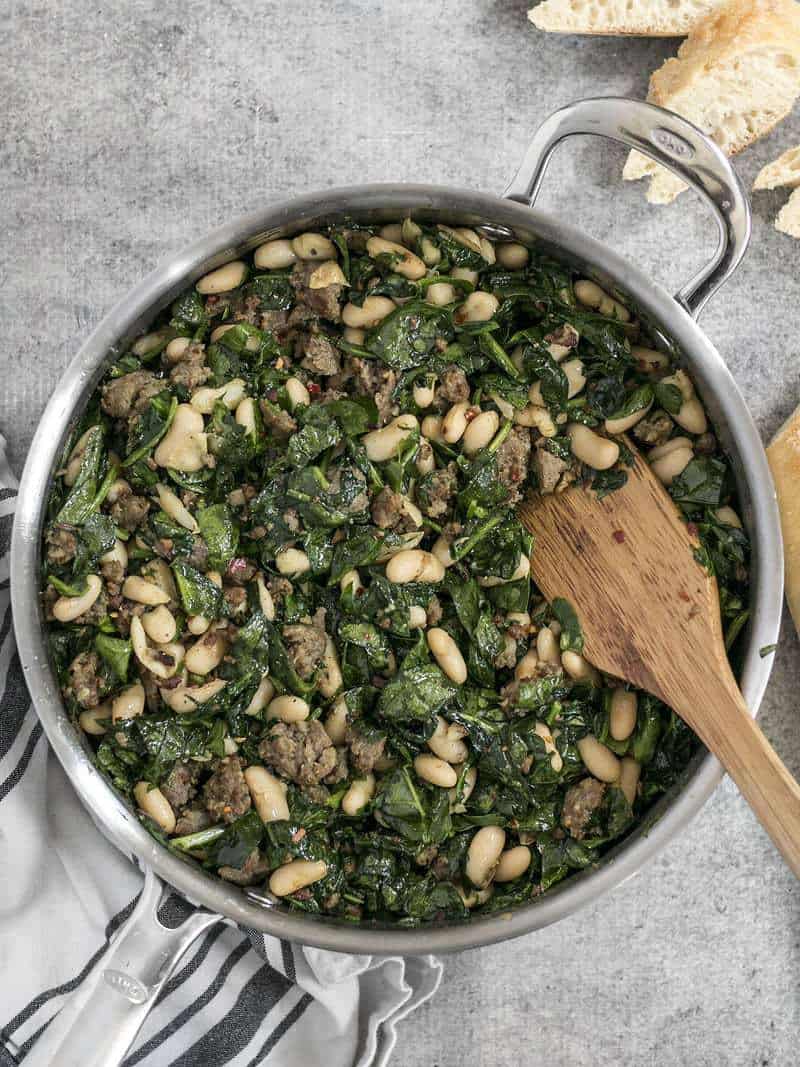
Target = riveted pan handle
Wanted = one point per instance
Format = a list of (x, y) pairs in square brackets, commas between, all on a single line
[(676, 144), (99, 1021)]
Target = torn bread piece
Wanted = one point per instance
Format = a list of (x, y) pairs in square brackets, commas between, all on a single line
[(783, 171), (635, 18), (788, 220), (783, 454), (736, 76)]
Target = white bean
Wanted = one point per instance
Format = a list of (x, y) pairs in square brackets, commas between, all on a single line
[(512, 256), (579, 668), (534, 415), (159, 625), (184, 446), (197, 624), (351, 580), (728, 517), (173, 506), (184, 699), (528, 666), (648, 360), (118, 554), (299, 396), (69, 608), (336, 721), (206, 653), (153, 803), (143, 592), (268, 793), (292, 562), (295, 875), (483, 855), (465, 274), (118, 488), (512, 863), (487, 251), (353, 335), (361, 791), (622, 714), (431, 254), (691, 416), (436, 771), (275, 255), (625, 422), (261, 697), (431, 428), (128, 703), (414, 565), (425, 461), (440, 294), (385, 443), (669, 465), (223, 279), (599, 760), (330, 678), (265, 601), (673, 445), (88, 719), (245, 416), (480, 432), (441, 549), (150, 342), (327, 273), (447, 741), (288, 708), (447, 654), (417, 617), (410, 232), (372, 311), (478, 307), (410, 266), (592, 449), (541, 729), (455, 422), (629, 774), (392, 231), (591, 295), (465, 236), (177, 348), (313, 246), (163, 661), (523, 569), (406, 541), (547, 646)]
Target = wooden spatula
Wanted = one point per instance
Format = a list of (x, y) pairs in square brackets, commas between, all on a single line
[(650, 615)]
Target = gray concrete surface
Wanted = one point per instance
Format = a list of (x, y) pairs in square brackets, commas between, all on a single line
[(129, 129)]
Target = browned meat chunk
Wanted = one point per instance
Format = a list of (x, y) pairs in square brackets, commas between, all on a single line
[(305, 646), (437, 489), (318, 355), (513, 457), (96, 612), (235, 598), (705, 445), (580, 804), (323, 302), (85, 684), (548, 468), (129, 510), (61, 545), (198, 557), (240, 571), (192, 820), (653, 430), (254, 868), (300, 751), (341, 770), (130, 394), (454, 386), (387, 508), (181, 785), (434, 611), (364, 751), (375, 380), (225, 794), (189, 368), (277, 422), (565, 336), (113, 574)]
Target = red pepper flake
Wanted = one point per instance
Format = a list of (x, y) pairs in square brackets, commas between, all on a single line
[(298, 835), (692, 528), (619, 536), (471, 413), (314, 388)]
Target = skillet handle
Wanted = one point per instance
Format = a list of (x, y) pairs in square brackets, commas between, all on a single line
[(676, 144), (99, 1022)]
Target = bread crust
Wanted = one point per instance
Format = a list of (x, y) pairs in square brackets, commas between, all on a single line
[(556, 16), (783, 172), (783, 454)]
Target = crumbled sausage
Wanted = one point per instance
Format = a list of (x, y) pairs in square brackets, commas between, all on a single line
[(277, 422), (85, 683), (113, 574), (130, 394), (301, 751), (387, 508), (192, 820), (240, 571), (513, 457), (580, 804), (318, 354), (189, 369), (548, 467), (437, 489), (61, 545), (364, 751), (323, 302), (181, 785), (341, 770), (254, 868), (565, 335), (375, 380), (225, 794), (434, 611), (129, 510), (653, 430), (453, 386), (305, 646)]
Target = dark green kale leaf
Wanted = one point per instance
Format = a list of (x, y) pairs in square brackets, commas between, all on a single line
[(571, 633), (80, 501), (407, 336), (115, 653), (219, 530), (199, 595), (415, 693), (319, 431), (417, 812), (701, 483)]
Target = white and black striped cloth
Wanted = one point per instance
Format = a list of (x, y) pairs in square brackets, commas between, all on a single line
[(237, 998)]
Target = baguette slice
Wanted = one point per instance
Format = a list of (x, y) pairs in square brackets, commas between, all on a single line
[(635, 18), (783, 454), (736, 75), (788, 220), (783, 171)]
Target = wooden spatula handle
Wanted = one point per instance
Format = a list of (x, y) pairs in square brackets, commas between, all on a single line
[(754, 765)]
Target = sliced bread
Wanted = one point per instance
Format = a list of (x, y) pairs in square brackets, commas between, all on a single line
[(788, 220), (736, 75), (635, 18), (783, 454), (783, 171)]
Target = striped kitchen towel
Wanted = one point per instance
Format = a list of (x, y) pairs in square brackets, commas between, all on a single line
[(237, 998)]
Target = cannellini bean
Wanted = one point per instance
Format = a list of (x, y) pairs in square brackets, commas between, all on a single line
[(296, 875), (417, 617), (503, 406), (409, 231), (261, 697), (512, 256), (351, 580), (483, 855), (409, 265), (184, 698), (372, 311), (330, 675), (361, 791), (288, 708), (163, 661), (478, 307), (265, 601), (425, 393), (385, 443), (299, 396), (327, 273), (465, 274), (230, 394), (576, 379), (129, 703), (336, 721), (436, 771), (206, 653), (629, 774), (118, 554), (592, 449), (143, 592), (527, 666), (69, 608), (353, 335), (414, 565), (313, 246), (579, 668), (292, 562), (520, 618), (673, 445), (431, 428), (441, 549), (245, 416), (539, 417), (150, 342), (591, 295), (440, 293), (523, 569), (648, 360), (177, 348), (447, 654), (512, 863), (197, 624), (184, 445), (487, 251), (465, 236), (471, 897), (173, 506), (229, 745), (76, 457), (622, 714), (268, 793), (275, 255), (669, 460), (447, 742), (431, 254), (425, 461), (599, 760), (392, 231), (480, 432), (159, 625), (458, 807), (153, 803), (223, 279), (455, 422), (547, 646), (119, 487), (623, 424), (691, 416), (407, 541), (728, 517), (541, 729), (88, 719)]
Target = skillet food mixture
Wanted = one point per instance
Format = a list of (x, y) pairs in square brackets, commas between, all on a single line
[(288, 598)]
